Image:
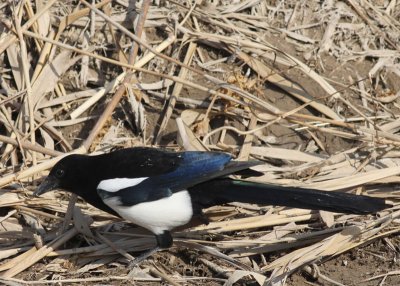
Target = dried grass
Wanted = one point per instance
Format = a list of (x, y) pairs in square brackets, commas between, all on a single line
[(228, 64)]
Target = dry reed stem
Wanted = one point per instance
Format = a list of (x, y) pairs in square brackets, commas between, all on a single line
[(29, 260), (175, 92), (243, 29)]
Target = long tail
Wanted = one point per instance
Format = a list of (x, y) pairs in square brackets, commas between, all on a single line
[(221, 191)]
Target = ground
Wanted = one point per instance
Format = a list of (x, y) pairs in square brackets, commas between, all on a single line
[(350, 268)]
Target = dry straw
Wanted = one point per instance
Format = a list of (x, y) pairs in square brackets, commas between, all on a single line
[(201, 61)]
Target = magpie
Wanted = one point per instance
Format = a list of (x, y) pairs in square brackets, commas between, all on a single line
[(161, 190)]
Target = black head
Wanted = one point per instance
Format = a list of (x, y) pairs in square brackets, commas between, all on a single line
[(78, 174), (68, 174)]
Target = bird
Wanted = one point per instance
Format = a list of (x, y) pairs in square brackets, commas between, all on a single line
[(160, 190)]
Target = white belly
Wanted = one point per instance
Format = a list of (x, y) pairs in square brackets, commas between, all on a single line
[(157, 216)]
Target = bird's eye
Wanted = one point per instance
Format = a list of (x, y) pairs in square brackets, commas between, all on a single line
[(60, 173)]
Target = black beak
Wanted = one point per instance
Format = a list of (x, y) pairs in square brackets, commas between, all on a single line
[(49, 184)]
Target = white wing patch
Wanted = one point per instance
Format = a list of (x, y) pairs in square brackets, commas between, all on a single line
[(114, 185)]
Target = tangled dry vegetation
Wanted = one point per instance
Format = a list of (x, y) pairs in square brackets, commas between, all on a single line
[(309, 87)]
